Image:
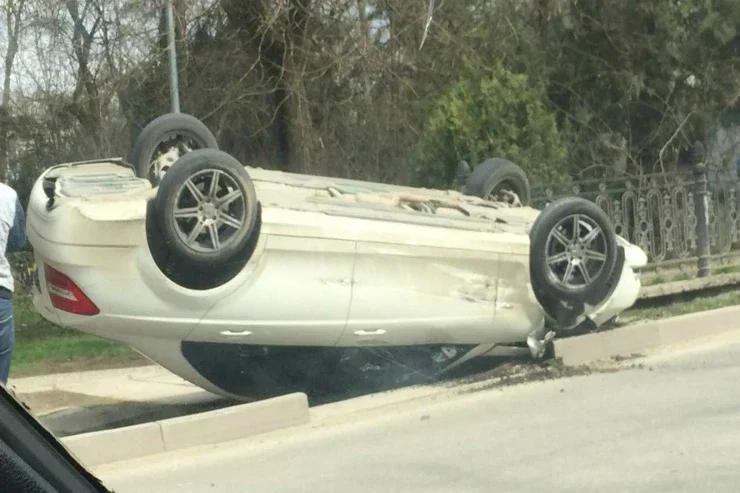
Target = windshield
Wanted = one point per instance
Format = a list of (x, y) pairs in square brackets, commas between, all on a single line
[(369, 245)]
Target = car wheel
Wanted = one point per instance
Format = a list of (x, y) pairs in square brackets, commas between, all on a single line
[(206, 207), (164, 140), (573, 251), (491, 179)]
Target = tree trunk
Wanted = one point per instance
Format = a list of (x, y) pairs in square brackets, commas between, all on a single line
[(364, 48), (13, 11), (86, 103), (282, 52), (302, 142)]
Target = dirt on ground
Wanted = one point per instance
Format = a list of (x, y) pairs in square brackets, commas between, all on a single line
[(517, 372), (41, 403), (98, 417)]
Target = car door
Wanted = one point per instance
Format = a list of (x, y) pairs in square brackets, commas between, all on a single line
[(406, 294), (297, 294)]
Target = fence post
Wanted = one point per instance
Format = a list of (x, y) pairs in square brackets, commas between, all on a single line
[(701, 192)]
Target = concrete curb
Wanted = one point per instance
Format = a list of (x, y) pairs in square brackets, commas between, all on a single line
[(221, 425), (643, 336)]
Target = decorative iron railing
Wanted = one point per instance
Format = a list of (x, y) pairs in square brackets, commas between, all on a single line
[(674, 217)]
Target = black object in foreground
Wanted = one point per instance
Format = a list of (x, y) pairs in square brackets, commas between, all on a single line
[(33, 460)]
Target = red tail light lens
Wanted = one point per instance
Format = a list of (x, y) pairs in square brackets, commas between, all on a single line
[(66, 295)]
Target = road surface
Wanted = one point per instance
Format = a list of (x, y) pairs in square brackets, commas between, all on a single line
[(671, 426)]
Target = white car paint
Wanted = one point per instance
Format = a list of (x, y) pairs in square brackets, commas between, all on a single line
[(337, 263)]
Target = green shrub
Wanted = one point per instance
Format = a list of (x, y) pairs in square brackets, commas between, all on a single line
[(503, 116)]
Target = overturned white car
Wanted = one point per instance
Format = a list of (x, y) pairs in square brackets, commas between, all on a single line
[(246, 281)]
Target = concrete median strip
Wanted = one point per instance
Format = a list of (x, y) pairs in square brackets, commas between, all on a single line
[(645, 336), (102, 447), (235, 422), (222, 425)]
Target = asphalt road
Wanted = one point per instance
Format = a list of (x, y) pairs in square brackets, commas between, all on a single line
[(671, 426)]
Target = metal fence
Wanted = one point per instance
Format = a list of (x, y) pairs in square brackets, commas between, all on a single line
[(678, 218)]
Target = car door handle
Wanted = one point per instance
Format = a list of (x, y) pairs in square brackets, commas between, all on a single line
[(235, 334), (378, 332)]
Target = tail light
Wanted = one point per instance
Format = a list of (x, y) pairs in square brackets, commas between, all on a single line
[(66, 295)]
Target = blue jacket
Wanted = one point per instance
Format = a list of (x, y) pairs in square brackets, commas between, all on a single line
[(12, 232)]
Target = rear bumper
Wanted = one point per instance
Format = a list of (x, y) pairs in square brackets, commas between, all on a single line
[(134, 299), (146, 325), (41, 300)]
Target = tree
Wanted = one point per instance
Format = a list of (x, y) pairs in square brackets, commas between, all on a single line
[(500, 116), (643, 78), (340, 87), (14, 10)]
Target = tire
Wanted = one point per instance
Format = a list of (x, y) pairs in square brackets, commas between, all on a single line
[(495, 174), (560, 314), (548, 279), (198, 168), (159, 131)]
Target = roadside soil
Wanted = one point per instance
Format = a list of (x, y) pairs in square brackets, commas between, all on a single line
[(41, 403)]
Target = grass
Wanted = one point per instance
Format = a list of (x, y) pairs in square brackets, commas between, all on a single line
[(658, 279), (726, 269), (43, 348), (683, 276), (681, 305), (674, 276), (71, 353)]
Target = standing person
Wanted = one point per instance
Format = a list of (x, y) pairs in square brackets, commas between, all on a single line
[(12, 239)]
